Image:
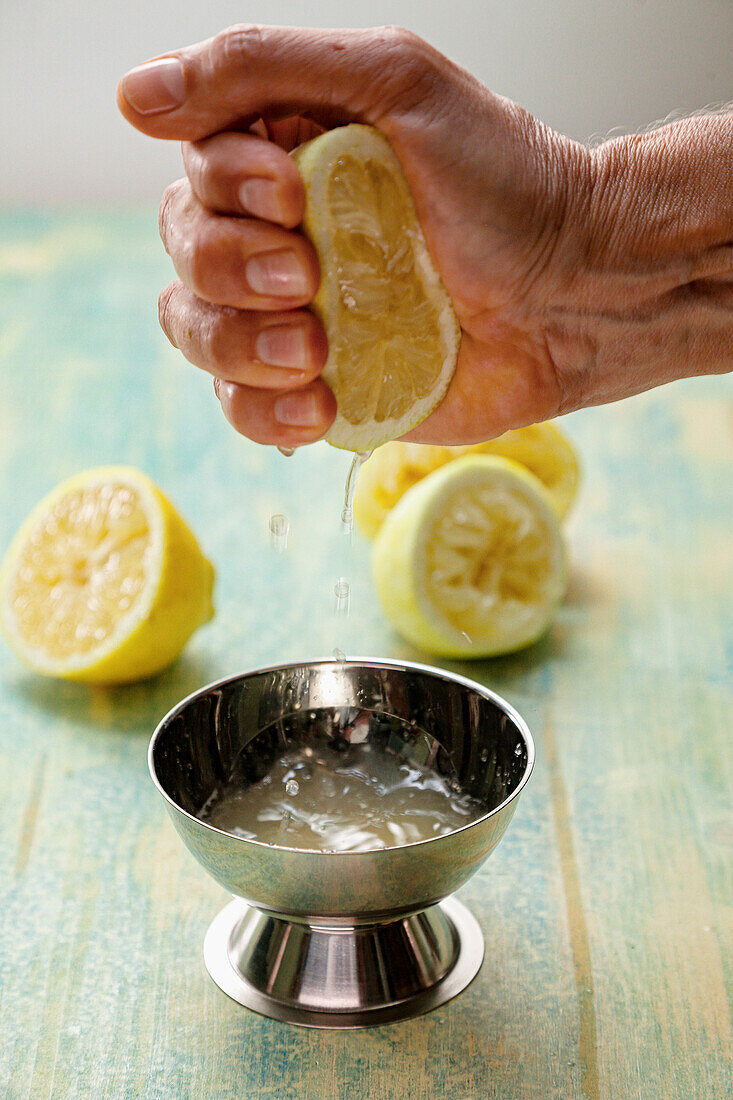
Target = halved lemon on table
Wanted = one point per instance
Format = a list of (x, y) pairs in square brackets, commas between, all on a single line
[(392, 332), (543, 449), (104, 582), (471, 562)]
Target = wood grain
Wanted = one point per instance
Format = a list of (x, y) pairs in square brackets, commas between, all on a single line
[(607, 907)]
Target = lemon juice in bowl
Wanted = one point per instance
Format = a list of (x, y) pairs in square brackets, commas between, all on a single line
[(338, 787)]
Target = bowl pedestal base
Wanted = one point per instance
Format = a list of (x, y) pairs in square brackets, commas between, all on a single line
[(340, 976)]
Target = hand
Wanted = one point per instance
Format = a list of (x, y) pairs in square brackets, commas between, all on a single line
[(527, 228), (490, 185)]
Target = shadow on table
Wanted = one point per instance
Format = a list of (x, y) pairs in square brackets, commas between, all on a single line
[(494, 672), (465, 1050), (129, 708), (523, 671)]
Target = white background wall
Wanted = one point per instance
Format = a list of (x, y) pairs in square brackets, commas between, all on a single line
[(583, 66)]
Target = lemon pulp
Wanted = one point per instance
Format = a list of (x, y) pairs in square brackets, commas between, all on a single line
[(104, 582), (83, 564), (393, 336), (471, 561), (487, 556), (378, 379)]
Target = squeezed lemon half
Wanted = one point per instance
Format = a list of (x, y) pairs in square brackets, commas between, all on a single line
[(543, 449), (104, 582), (471, 562), (392, 332)]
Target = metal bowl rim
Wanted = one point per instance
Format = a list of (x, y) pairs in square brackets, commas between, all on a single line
[(374, 662)]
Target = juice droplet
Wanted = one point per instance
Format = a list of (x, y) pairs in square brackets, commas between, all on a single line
[(467, 637), (292, 788), (339, 655), (342, 592), (347, 514), (517, 750), (287, 452), (279, 531)]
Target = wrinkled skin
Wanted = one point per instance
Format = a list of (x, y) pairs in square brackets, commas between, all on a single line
[(569, 272)]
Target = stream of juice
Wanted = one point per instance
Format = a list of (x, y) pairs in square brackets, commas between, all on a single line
[(347, 514), (358, 798)]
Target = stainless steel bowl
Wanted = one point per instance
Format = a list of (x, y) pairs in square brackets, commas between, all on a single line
[(342, 939)]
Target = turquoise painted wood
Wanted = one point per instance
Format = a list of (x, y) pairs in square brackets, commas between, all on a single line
[(607, 907)]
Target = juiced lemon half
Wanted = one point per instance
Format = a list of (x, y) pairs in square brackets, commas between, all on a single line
[(543, 449), (104, 582), (392, 332), (471, 561)]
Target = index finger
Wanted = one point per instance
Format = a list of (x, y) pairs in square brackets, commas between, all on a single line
[(250, 71)]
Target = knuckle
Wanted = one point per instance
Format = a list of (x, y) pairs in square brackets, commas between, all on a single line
[(165, 212), (411, 69), (165, 318), (405, 48), (394, 35), (238, 44)]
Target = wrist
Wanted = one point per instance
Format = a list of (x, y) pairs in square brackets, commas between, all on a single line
[(644, 287)]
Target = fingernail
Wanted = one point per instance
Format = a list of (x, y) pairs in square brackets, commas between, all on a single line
[(217, 383), (260, 197), (156, 86), (278, 274), (281, 346), (298, 410)]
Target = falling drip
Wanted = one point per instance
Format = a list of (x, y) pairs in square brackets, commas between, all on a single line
[(342, 592), (347, 513), (467, 637), (279, 531), (292, 788), (288, 452)]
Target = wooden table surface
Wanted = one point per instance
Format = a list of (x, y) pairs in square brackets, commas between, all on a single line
[(606, 909)]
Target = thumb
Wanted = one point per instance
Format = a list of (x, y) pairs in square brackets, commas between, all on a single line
[(250, 71)]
